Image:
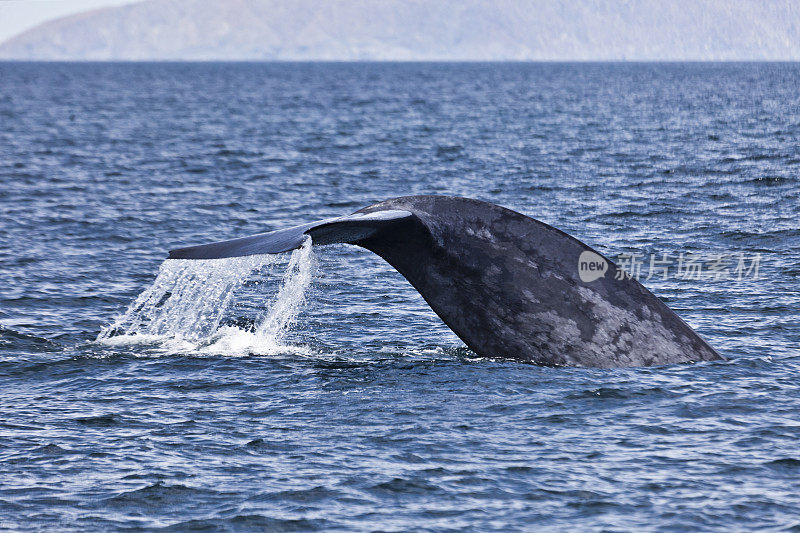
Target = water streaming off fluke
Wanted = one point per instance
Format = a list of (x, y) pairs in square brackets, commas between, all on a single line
[(189, 306)]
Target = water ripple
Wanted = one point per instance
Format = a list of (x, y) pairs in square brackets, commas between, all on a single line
[(363, 411)]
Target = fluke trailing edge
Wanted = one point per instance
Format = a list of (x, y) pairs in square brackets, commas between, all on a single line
[(506, 284)]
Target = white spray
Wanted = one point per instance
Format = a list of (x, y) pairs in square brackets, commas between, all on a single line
[(183, 309)]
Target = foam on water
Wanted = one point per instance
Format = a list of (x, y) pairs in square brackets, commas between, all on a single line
[(183, 310)]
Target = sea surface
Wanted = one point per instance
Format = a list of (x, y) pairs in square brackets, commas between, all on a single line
[(316, 390)]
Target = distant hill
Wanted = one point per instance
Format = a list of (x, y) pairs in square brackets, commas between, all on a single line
[(420, 30)]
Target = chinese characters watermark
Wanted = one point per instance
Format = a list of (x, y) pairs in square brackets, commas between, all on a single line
[(684, 266)]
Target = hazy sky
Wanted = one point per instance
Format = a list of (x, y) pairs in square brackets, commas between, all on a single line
[(17, 16)]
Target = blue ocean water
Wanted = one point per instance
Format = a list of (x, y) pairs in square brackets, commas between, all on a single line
[(358, 409)]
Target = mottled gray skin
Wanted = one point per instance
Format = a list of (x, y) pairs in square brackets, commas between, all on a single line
[(509, 286), (506, 284)]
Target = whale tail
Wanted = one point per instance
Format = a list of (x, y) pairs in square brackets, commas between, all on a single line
[(350, 229), (506, 284)]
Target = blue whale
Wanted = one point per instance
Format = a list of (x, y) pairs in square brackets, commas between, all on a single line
[(509, 286)]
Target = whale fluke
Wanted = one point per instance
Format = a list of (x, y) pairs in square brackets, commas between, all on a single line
[(333, 230), (508, 285)]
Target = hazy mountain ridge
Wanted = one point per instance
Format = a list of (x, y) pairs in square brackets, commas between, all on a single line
[(419, 30)]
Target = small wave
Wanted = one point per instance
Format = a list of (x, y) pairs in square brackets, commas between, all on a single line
[(158, 495), (52, 449), (99, 421), (786, 463), (449, 152), (310, 495), (252, 522), (770, 180), (10, 339), (404, 486)]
